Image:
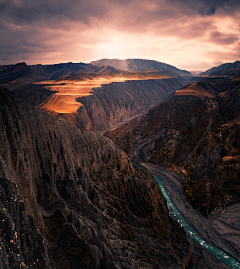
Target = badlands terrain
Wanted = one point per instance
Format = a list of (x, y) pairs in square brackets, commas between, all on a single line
[(72, 198)]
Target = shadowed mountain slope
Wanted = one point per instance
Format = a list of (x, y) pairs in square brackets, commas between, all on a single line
[(228, 69), (57, 71), (140, 65), (18, 73), (70, 199), (196, 131)]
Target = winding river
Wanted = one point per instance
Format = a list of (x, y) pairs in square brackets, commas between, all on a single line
[(162, 176)]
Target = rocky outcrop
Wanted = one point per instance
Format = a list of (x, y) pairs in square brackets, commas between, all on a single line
[(78, 201), (196, 131)]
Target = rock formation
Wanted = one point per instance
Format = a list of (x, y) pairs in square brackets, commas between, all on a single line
[(16, 74)]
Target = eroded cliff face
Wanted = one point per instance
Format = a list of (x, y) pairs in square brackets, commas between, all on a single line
[(78, 201), (111, 103), (196, 132)]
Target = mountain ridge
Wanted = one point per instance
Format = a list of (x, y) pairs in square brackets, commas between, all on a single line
[(140, 65), (227, 69), (16, 73)]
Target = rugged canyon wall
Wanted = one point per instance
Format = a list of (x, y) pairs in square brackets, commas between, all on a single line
[(196, 133), (110, 103), (71, 199)]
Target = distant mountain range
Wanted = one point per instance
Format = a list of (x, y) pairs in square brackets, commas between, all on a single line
[(139, 65), (58, 71), (10, 73)]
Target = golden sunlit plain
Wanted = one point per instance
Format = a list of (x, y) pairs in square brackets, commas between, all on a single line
[(64, 100)]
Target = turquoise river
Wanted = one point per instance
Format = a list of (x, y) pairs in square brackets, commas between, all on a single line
[(193, 234)]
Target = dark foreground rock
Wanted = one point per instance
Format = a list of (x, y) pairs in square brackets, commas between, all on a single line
[(70, 199)]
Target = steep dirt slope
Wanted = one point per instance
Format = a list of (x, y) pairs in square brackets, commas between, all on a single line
[(112, 102), (196, 131), (78, 201)]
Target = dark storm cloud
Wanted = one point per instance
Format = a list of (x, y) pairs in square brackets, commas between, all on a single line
[(223, 39), (134, 12), (27, 11), (18, 45), (209, 7)]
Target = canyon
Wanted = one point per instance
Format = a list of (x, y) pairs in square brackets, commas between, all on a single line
[(196, 133), (72, 197)]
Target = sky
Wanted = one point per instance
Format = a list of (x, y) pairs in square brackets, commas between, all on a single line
[(189, 34)]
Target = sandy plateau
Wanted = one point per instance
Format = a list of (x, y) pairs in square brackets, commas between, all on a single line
[(64, 100)]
